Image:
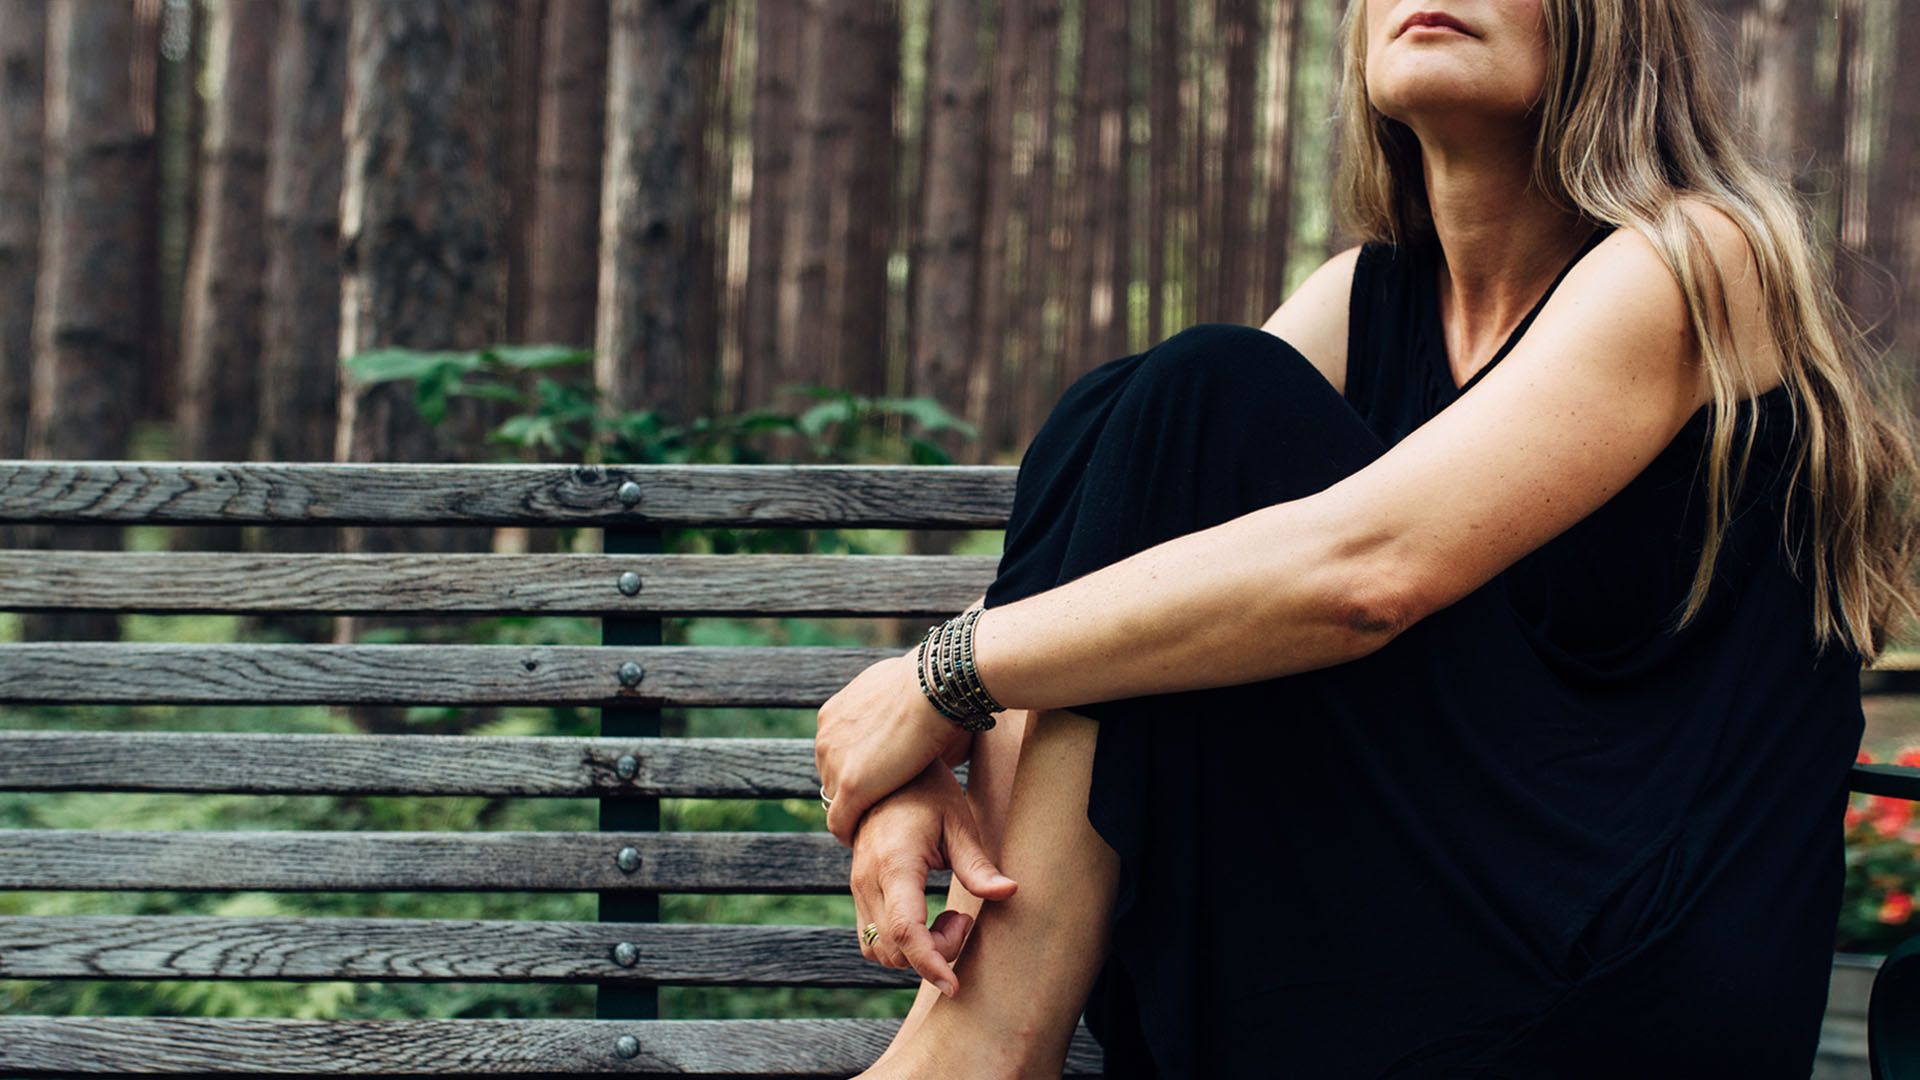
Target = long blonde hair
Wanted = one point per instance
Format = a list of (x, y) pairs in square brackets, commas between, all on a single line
[(1630, 124)]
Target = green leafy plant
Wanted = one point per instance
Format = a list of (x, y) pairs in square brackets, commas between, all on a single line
[(571, 420)]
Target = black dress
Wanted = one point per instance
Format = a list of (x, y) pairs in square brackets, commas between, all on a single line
[(1535, 835)]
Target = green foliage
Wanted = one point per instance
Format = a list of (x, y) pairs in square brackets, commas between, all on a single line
[(570, 420)]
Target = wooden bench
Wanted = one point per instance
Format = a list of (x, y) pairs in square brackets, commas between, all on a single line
[(627, 768)]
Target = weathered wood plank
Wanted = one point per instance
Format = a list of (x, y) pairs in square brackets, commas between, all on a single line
[(261, 763), (147, 1046), (756, 862), (328, 493), (823, 585), (166, 673), (431, 950)]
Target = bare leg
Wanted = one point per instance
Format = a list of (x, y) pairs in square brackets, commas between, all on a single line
[(1030, 960)]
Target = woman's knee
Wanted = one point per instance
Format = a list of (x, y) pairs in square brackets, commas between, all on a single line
[(1232, 357)]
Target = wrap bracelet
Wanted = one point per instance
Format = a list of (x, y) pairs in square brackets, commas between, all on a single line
[(944, 663)]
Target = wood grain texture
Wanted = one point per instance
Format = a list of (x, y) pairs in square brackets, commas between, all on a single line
[(262, 763), (166, 673), (818, 585), (433, 950), (146, 1046), (288, 861), (322, 493)]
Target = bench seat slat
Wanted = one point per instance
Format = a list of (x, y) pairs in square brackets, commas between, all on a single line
[(547, 766), (122, 1046), (807, 585), (289, 861), (433, 950), (100, 672), (334, 493)]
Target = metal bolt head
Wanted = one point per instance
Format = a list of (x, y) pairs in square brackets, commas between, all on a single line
[(627, 766), (629, 494), (626, 954), (631, 673), (630, 583), (628, 860), (627, 1046)]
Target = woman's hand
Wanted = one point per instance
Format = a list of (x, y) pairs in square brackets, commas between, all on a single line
[(928, 824), (876, 734)]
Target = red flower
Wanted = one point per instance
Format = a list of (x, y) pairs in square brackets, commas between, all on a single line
[(1909, 758), (1855, 816), (1896, 908), (1889, 815), (1864, 757)]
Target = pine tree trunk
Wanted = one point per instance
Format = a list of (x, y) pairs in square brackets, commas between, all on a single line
[(946, 255), (989, 397), (300, 319), (649, 209), (1276, 246), (776, 77), (867, 227), (91, 325), (1240, 22), (522, 30), (1042, 264), (23, 50), (1896, 197), (1097, 306), (1163, 163), (572, 128), (423, 240), (219, 375)]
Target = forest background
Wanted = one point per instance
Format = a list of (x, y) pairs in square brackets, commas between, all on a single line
[(692, 230)]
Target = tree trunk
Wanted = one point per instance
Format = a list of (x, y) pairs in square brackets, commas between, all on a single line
[(180, 119), (1895, 241), (776, 75), (300, 320), (868, 227), (573, 115), (23, 50), (1163, 164), (1276, 246), (1097, 306), (90, 318), (1041, 264), (219, 377), (423, 239), (649, 209), (520, 30), (989, 397), (1240, 29), (946, 255)]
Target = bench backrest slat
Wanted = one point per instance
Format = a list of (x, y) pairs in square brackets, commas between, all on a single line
[(331, 493), (432, 950), (792, 676), (530, 1048), (818, 585), (288, 861), (263, 763)]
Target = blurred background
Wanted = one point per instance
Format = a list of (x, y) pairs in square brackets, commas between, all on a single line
[(693, 231)]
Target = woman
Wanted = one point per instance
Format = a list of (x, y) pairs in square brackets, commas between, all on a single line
[(1457, 676)]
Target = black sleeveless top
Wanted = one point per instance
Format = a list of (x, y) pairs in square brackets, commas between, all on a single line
[(1535, 834)]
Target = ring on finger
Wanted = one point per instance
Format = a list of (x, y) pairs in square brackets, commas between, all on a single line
[(871, 933)]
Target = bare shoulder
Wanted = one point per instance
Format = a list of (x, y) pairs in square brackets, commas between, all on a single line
[(1314, 318), (1738, 274)]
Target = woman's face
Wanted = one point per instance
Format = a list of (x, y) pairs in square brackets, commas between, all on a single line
[(1438, 63)]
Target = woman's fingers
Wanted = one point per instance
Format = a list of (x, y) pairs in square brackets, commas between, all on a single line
[(905, 926)]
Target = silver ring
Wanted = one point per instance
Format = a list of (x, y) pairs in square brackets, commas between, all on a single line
[(826, 801)]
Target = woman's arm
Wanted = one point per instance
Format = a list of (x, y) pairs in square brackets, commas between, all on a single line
[(1604, 380)]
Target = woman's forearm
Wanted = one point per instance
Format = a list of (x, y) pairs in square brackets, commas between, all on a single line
[(1284, 589)]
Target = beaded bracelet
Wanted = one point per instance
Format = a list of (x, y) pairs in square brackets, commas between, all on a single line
[(948, 677)]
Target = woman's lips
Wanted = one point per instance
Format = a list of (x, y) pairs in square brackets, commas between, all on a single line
[(1434, 20)]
